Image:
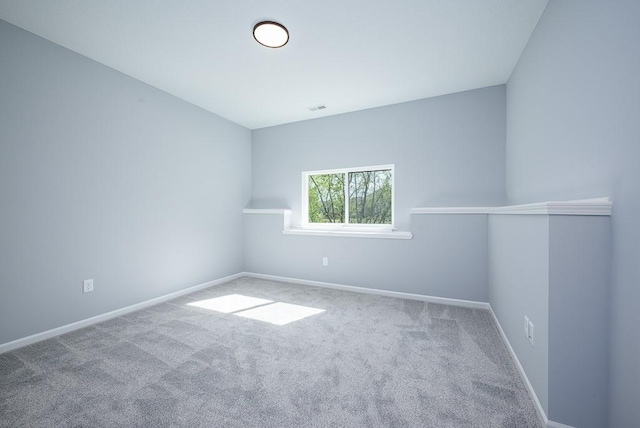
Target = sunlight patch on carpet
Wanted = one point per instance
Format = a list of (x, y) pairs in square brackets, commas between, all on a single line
[(230, 303), (279, 313)]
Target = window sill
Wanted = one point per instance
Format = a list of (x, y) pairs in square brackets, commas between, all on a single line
[(350, 233), (339, 233)]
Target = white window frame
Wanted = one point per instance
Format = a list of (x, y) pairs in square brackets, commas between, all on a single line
[(346, 226)]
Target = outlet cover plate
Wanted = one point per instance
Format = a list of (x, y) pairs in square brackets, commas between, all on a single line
[(87, 286)]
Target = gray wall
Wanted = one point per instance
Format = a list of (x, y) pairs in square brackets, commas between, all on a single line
[(556, 271), (447, 150), (579, 272), (519, 286), (573, 132), (447, 256), (104, 177)]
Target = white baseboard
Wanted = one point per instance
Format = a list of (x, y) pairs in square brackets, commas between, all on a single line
[(431, 299), (25, 341), (541, 413), (442, 300), (552, 424)]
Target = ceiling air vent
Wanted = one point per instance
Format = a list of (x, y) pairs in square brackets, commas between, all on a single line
[(316, 108)]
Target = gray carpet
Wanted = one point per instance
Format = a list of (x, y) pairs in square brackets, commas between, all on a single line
[(366, 361)]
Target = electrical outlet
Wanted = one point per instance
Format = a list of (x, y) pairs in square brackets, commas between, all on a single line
[(87, 285), (325, 261), (526, 326), (530, 335)]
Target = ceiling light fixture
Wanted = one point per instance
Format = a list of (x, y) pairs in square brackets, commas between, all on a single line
[(270, 34)]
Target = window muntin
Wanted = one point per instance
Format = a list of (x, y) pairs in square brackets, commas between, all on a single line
[(358, 197)]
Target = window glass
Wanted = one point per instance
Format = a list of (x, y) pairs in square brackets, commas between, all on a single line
[(326, 198), (349, 196), (370, 197)]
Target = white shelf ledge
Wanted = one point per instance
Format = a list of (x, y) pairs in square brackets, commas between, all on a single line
[(286, 214), (266, 211), (452, 210), (593, 207), (598, 206)]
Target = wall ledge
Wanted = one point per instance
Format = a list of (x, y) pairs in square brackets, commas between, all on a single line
[(266, 211), (590, 207), (451, 210)]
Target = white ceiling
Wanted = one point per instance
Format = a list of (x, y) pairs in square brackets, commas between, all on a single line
[(348, 55)]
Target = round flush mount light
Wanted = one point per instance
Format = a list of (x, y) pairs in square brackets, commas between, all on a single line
[(270, 34)]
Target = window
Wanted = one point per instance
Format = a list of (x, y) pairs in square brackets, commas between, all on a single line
[(348, 197)]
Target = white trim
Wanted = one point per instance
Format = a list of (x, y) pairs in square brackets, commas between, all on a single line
[(401, 295), (451, 210), (541, 413), (265, 211), (348, 227), (431, 299), (286, 214), (25, 341), (350, 233), (591, 207), (598, 206), (350, 169), (552, 424), (304, 219)]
